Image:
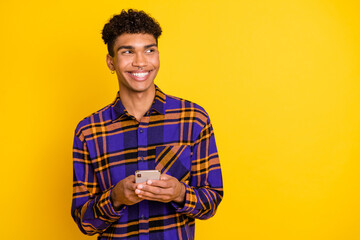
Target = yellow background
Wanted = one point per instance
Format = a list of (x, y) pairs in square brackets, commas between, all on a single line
[(280, 80)]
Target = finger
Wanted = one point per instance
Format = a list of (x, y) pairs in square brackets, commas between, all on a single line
[(147, 188), (158, 183), (136, 198), (165, 177), (153, 190), (154, 197), (131, 178), (132, 186), (130, 194)]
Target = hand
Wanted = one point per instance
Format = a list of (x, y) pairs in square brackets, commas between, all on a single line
[(165, 190), (124, 193)]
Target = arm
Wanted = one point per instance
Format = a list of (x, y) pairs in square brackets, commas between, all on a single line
[(91, 209), (205, 190)]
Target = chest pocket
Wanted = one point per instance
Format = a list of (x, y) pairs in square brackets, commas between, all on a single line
[(174, 160)]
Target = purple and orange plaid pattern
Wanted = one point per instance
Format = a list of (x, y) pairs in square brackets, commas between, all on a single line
[(174, 136)]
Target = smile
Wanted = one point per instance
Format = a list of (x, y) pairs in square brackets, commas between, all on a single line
[(142, 74)]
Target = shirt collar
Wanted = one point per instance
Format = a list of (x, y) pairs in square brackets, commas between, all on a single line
[(118, 109)]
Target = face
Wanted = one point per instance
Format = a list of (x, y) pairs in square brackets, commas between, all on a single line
[(136, 62)]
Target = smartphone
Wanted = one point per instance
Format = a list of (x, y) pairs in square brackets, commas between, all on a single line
[(144, 175)]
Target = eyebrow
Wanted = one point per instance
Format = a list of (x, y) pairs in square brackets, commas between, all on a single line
[(131, 47)]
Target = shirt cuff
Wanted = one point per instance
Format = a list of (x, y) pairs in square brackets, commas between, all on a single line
[(104, 208), (189, 203)]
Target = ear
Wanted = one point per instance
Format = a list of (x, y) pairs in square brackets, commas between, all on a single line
[(110, 62)]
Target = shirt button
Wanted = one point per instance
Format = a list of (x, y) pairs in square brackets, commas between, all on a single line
[(141, 159), (142, 217), (141, 130)]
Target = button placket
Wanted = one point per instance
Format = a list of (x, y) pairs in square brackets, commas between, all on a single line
[(143, 165), (142, 144)]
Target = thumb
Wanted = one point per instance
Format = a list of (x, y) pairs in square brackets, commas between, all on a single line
[(164, 177)]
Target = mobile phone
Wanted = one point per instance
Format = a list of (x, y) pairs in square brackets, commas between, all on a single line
[(144, 175)]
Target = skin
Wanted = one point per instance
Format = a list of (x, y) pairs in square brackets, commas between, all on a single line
[(165, 190), (136, 63), (135, 54)]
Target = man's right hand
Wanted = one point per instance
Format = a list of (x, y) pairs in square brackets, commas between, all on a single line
[(124, 193)]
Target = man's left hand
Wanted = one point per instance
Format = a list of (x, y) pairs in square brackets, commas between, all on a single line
[(165, 190)]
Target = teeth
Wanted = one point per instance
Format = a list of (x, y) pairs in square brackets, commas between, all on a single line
[(143, 74)]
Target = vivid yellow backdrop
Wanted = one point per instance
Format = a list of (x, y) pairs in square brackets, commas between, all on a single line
[(280, 80)]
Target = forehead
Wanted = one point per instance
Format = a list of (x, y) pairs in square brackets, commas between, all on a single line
[(134, 39)]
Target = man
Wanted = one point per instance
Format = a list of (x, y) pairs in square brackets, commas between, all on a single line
[(143, 129)]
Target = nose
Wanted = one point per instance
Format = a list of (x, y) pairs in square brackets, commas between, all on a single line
[(139, 60)]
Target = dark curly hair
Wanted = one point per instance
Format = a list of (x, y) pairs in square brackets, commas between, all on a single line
[(131, 21)]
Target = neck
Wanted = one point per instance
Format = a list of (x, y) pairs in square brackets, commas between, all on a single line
[(137, 103)]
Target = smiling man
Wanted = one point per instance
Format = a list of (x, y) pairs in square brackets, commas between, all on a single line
[(143, 129)]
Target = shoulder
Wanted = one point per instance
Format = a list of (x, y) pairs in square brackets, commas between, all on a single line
[(187, 108), (100, 117)]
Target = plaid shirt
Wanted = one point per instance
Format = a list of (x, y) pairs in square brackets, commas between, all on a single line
[(176, 137)]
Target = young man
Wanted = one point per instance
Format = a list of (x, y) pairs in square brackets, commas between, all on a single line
[(143, 129)]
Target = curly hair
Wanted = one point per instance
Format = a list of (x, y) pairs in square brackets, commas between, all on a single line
[(131, 21)]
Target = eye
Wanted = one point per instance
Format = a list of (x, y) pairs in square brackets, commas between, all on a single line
[(126, 52), (150, 50)]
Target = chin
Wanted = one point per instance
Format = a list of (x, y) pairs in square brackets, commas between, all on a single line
[(142, 87)]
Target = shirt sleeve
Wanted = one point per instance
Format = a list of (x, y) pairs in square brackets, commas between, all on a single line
[(91, 208), (205, 189)]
